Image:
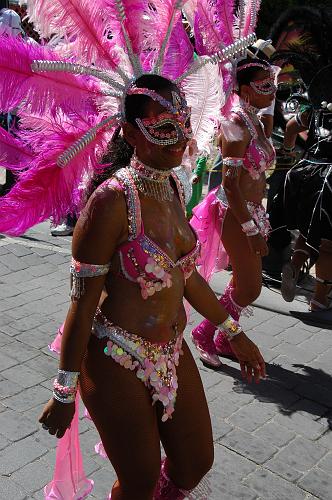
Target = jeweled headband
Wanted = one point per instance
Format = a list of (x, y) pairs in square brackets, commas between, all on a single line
[(169, 127), (266, 86)]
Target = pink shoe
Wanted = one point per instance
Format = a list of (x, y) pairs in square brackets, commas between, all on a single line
[(202, 337), (223, 346), (166, 489)]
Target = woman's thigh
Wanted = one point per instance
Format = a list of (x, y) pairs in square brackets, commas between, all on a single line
[(246, 266), (187, 437), (121, 408)]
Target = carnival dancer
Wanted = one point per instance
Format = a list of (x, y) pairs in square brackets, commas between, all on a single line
[(125, 351), (231, 222)]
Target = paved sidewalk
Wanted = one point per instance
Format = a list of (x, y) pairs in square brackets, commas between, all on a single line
[(272, 441)]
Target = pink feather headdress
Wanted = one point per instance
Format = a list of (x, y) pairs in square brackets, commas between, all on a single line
[(218, 28), (69, 94)]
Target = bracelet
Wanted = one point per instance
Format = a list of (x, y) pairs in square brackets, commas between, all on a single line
[(230, 327), (250, 228), (254, 232), (231, 161), (65, 386), (68, 399)]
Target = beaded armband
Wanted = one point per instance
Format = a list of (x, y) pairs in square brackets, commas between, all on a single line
[(230, 327), (65, 386), (81, 271), (233, 165), (250, 228)]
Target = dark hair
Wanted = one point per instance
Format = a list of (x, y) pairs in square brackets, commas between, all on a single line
[(135, 105), (119, 152), (246, 75)]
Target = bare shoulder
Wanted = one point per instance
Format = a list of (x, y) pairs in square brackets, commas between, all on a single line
[(107, 201), (233, 131), (102, 224)]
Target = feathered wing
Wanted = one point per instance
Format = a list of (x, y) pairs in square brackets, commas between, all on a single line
[(251, 8), (162, 17), (208, 38), (132, 12), (189, 10), (42, 91), (180, 53), (45, 190), (14, 155), (225, 18), (239, 19), (83, 23), (205, 96)]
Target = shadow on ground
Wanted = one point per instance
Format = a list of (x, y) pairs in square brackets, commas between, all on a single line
[(306, 389)]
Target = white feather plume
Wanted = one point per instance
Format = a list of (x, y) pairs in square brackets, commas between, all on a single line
[(189, 10), (206, 103)]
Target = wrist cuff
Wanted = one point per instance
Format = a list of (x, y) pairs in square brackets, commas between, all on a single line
[(230, 327)]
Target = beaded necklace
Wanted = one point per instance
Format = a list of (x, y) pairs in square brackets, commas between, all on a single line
[(249, 115), (151, 181)]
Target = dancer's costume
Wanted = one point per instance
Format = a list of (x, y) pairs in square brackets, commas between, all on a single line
[(208, 221), (70, 99), (224, 27)]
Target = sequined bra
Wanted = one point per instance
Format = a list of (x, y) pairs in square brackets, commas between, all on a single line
[(141, 260), (260, 154)]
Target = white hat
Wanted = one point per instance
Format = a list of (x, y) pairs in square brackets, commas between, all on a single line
[(264, 46), (10, 23)]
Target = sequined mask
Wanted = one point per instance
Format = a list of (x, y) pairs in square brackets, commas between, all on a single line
[(170, 126), (266, 86)]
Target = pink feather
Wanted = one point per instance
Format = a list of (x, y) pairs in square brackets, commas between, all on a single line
[(250, 16), (73, 19), (225, 19), (180, 53), (208, 37), (134, 16), (18, 83), (45, 189), (14, 155), (189, 9), (34, 130), (161, 13)]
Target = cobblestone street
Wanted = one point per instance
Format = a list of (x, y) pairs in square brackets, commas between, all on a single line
[(273, 441)]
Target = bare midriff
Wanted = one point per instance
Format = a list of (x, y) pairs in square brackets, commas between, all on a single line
[(252, 189)]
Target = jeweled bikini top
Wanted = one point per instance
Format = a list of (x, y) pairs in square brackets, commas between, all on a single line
[(260, 154), (141, 260)]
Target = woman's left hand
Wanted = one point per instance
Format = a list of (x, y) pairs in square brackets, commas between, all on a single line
[(251, 361)]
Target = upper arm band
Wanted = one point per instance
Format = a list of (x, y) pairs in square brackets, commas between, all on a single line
[(233, 164), (79, 270)]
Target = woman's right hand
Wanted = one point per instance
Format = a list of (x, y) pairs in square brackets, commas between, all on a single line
[(56, 417), (249, 356), (258, 245)]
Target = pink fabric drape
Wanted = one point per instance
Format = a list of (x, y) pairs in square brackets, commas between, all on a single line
[(69, 480), (207, 221)]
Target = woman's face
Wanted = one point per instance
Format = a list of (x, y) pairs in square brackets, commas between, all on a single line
[(262, 89), (158, 125)]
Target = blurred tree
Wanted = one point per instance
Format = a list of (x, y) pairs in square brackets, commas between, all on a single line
[(271, 9)]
